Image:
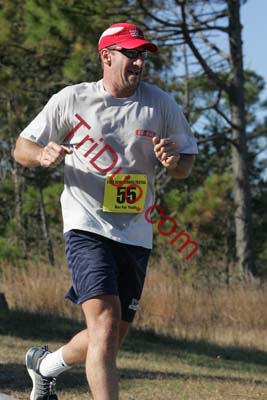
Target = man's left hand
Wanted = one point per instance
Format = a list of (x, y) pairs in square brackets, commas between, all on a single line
[(166, 152)]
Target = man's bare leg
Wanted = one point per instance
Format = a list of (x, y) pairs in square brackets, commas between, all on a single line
[(103, 315), (75, 351)]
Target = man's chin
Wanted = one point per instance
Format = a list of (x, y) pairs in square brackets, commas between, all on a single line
[(134, 81)]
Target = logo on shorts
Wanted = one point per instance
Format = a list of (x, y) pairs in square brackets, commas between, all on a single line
[(134, 304)]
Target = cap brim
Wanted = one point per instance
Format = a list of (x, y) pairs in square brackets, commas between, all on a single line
[(135, 43)]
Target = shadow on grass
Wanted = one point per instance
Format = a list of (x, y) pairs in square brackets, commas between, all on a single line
[(47, 329), (149, 342), (28, 325), (159, 375), (14, 377)]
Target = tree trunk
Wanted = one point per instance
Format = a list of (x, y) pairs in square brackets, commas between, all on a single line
[(242, 198), (187, 105), (46, 233), (17, 181), (3, 304)]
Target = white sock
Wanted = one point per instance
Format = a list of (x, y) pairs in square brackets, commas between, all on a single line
[(53, 364)]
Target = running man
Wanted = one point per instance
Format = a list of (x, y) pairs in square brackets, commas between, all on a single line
[(111, 134)]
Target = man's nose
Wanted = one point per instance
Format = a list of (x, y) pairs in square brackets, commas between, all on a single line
[(139, 60)]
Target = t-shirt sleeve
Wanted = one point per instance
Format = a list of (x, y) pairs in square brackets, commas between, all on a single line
[(49, 124), (177, 128)]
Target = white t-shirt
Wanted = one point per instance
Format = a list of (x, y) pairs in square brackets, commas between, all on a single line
[(110, 133)]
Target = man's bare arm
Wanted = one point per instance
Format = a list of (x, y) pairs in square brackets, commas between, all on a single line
[(30, 154), (178, 165), (184, 166)]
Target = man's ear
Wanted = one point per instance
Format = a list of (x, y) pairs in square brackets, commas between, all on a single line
[(105, 56)]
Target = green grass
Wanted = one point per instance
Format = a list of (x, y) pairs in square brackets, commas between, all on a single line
[(151, 367)]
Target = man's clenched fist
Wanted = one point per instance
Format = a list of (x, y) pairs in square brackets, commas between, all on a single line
[(52, 154), (166, 152)]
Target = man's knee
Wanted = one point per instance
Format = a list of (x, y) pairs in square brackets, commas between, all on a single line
[(104, 337), (103, 322)]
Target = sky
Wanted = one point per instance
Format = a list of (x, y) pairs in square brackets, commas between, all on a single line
[(254, 21)]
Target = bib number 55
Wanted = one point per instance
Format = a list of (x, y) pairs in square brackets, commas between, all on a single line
[(124, 194)]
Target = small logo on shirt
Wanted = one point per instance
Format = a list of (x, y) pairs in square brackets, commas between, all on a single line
[(134, 304), (145, 132)]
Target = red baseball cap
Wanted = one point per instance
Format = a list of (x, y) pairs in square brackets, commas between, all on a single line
[(127, 36)]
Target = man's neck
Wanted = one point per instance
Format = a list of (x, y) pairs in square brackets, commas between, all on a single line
[(117, 91)]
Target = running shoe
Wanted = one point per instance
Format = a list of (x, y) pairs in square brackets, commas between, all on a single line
[(44, 388)]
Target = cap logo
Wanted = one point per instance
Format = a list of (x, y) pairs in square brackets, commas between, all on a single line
[(136, 33)]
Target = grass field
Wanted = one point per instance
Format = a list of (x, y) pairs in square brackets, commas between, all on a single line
[(151, 367)]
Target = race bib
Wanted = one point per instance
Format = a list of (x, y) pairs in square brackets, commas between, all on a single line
[(126, 193)]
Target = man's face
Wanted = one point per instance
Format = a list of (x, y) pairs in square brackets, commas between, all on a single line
[(126, 72)]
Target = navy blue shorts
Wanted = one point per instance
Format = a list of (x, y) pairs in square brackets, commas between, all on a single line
[(99, 266)]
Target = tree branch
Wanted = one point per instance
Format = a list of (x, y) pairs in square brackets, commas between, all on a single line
[(213, 46), (210, 73)]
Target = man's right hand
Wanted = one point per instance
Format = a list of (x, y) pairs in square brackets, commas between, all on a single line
[(52, 154), (30, 154)]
